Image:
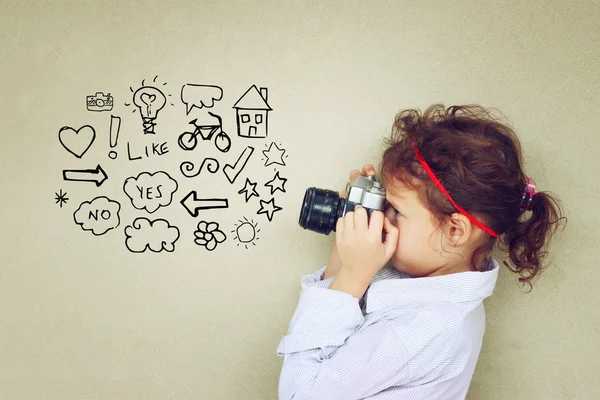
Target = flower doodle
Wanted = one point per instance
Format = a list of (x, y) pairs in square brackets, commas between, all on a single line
[(209, 235)]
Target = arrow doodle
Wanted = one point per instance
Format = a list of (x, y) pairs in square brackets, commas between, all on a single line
[(96, 175), (193, 204)]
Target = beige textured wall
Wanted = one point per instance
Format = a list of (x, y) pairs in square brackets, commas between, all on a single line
[(83, 318)]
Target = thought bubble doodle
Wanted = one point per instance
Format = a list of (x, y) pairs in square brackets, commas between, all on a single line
[(150, 191), (200, 96), (98, 216), (157, 235)]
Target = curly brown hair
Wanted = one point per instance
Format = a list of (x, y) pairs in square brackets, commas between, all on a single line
[(478, 160)]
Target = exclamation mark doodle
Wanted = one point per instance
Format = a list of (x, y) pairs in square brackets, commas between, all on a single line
[(115, 126)]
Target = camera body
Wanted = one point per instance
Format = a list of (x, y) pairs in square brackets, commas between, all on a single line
[(99, 102), (366, 191), (321, 208)]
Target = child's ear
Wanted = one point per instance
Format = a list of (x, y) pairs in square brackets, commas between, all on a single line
[(459, 230)]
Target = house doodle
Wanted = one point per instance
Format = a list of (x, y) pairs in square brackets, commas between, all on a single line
[(252, 112)]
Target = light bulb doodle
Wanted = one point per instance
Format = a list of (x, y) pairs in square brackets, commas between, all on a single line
[(246, 232), (149, 100)]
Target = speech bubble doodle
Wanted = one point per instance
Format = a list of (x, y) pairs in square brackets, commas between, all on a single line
[(199, 96), (98, 216), (156, 236), (150, 191)]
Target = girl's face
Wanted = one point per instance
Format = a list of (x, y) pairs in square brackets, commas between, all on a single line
[(419, 251)]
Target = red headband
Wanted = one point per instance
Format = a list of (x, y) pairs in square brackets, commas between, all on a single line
[(443, 190)]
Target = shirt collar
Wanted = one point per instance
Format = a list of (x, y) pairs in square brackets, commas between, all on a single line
[(391, 286)]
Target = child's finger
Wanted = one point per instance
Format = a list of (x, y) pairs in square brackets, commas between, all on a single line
[(376, 224), (349, 221), (361, 222), (339, 226), (354, 174), (368, 169), (391, 237)]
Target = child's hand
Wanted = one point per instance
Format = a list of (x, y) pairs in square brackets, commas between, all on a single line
[(334, 263), (359, 244)]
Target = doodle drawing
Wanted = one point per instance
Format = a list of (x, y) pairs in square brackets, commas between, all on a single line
[(151, 150), (150, 191), (277, 183), (115, 127), (61, 198), (189, 140), (252, 112), (193, 204), (99, 102), (77, 142), (156, 236), (187, 167), (249, 190), (246, 232), (96, 175), (98, 216), (149, 100), (269, 208), (274, 155), (209, 235), (232, 171), (199, 96)]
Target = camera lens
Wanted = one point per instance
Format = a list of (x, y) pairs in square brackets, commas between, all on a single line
[(321, 209)]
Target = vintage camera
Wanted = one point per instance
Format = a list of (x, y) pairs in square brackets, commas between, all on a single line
[(99, 102), (321, 208)]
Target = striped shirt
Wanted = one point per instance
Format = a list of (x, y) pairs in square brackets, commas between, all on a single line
[(407, 338)]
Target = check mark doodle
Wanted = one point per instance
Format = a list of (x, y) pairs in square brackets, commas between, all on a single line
[(232, 172)]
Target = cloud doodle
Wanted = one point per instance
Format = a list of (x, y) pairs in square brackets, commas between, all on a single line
[(156, 236), (150, 191), (98, 216)]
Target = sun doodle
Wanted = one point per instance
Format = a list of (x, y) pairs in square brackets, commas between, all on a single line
[(246, 232)]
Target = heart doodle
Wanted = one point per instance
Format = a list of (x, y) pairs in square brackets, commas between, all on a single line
[(148, 98), (77, 142)]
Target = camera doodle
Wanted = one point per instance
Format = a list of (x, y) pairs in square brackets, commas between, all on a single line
[(98, 216), (150, 191), (156, 236), (99, 102)]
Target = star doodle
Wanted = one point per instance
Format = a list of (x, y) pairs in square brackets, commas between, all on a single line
[(247, 186), (269, 208), (61, 198), (274, 156), (277, 183)]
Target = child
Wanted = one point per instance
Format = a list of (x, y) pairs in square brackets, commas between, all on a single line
[(414, 329)]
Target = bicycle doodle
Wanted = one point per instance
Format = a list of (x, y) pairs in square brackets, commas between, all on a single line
[(189, 140)]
